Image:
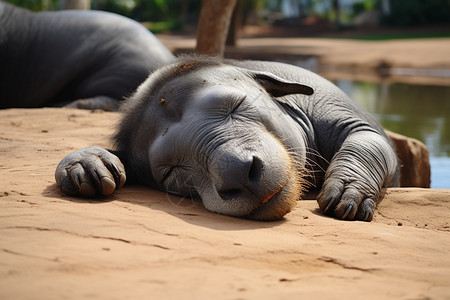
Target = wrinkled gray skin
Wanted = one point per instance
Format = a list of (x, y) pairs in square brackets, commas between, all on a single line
[(55, 58), (247, 137)]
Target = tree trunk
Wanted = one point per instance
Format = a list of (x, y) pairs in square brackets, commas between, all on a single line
[(235, 25), (213, 26), (75, 4)]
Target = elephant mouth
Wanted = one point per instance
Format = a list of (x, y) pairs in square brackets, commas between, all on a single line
[(270, 196), (274, 206)]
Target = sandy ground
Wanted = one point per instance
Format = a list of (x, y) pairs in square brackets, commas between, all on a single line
[(143, 244), (399, 53), (417, 61)]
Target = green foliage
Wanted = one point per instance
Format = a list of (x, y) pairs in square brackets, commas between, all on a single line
[(174, 13), (158, 27), (397, 36), (122, 7), (35, 5), (170, 12), (142, 10), (361, 6), (418, 12), (162, 14)]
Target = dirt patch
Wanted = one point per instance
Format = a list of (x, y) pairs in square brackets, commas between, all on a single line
[(141, 243), (418, 61)]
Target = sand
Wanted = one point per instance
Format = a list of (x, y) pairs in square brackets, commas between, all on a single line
[(415, 61), (144, 244)]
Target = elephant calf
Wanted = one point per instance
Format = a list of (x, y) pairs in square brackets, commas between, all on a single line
[(246, 137)]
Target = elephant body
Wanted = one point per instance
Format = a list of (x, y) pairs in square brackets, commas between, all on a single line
[(246, 137), (55, 58)]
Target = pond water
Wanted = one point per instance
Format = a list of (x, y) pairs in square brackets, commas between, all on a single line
[(419, 111)]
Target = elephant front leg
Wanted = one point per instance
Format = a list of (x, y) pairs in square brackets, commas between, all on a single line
[(364, 164), (90, 172), (100, 102)]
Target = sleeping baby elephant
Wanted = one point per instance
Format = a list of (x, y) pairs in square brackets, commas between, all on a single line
[(246, 137)]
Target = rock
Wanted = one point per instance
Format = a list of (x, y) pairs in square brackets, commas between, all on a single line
[(415, 168)]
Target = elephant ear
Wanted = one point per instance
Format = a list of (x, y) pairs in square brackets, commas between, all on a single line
[(278, 87)]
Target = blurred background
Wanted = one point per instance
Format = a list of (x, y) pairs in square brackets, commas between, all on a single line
[(298, 17), (391, 56)]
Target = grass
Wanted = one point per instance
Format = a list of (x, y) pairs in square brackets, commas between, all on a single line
[(158, 27), (396, 36)]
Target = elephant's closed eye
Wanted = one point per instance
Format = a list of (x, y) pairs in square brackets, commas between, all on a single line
[(235, 104)]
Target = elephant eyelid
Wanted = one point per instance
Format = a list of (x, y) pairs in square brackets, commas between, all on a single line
[(168, 172), (236, 104)]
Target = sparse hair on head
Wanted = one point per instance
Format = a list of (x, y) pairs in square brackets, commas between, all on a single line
[(134, 106), (183, 65)]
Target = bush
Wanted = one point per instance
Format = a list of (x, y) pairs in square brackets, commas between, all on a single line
[(418, 12)]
